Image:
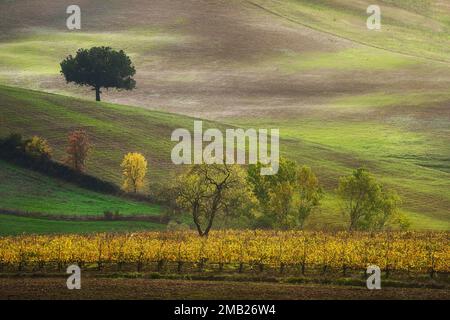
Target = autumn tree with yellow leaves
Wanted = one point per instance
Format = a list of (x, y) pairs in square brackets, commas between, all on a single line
[(38, 147), (134, 169)]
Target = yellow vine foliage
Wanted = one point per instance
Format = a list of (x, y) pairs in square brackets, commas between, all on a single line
[(402, 251)]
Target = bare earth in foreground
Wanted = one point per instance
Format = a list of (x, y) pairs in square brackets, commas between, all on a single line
[(102, 288)]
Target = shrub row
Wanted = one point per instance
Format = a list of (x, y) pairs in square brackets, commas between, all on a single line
[(12, 150)]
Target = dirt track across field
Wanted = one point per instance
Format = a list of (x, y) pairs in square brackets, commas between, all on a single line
[(104, 288)]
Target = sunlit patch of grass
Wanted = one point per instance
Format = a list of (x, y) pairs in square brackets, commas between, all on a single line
[(365, 138), (382, 99), (424, 222), (40, 51), (344, 60), (410, 27)]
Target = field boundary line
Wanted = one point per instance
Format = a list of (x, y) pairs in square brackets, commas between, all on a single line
[(84, 218), (257, 5)]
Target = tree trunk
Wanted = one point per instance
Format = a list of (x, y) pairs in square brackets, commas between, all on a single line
[(97, 94), (196, 222), (214, 208), (206, 232)]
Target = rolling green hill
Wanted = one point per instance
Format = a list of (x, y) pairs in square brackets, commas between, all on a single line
[(114, 130), (341, 95), (401, 158)]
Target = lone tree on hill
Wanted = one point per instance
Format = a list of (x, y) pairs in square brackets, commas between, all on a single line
[(99, 67)]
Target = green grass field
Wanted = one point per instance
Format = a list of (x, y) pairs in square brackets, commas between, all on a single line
[(25, 190), (31, 192), (13, 225), (341, 95)]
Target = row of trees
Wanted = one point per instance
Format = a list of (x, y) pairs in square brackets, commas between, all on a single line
[(282, 201), (79, 147)]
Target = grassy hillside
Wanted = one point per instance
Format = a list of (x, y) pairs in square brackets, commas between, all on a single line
[(114, 130), (29, 191), (412, 162)]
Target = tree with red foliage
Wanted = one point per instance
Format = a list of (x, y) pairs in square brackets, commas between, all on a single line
[(78, 149)]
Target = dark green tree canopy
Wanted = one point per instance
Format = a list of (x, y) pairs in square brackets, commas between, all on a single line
[(99, 67)]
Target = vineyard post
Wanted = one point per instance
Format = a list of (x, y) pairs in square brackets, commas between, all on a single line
[(388, 252), (160, 265), (140, 259), (120, 257), (325, 264), (180, 262), (304, 257), (22, 259), (343, 256), (141, 255), (59, 262), (280, 255), (201, 264), (160, 257), (222, 250), (241, 255), (180, 266), (99, 256), (431, 252), (261, 266)]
